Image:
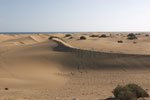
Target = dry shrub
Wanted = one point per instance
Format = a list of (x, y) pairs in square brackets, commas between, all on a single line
[(147, 35), (94, 35), (131, 36), (140, 92), (120, 41), (103, 36), (129, 92), (68, 35), (82, 38)]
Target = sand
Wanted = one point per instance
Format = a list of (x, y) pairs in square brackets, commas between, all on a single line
[(33, 67)]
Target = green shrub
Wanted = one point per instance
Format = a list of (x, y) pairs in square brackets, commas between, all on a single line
[(68, 35), (147, 35), (140, 92), (126, 95), (118, 90), (103, 35), (82, 38), (120, 41), (94, 35), (131, 36), (129, 92)]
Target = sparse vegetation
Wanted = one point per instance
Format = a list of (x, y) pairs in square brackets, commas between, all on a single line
[(131, 36), (129, 92), (123, 93), (94, 35), (147, 35), (5, 88), (82, 38), (51, 37), (140, 92), (103, 36), (68, 35), (120, 41)]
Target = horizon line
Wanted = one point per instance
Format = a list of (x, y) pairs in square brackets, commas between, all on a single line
[(72, 31)]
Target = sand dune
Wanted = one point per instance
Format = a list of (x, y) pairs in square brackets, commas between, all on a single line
[(88, 59), (28, 65), (111, 45), (35, 68)]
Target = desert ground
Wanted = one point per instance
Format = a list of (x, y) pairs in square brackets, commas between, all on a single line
[(33, 67)]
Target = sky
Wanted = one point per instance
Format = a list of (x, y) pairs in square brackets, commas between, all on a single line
[(74, 15)]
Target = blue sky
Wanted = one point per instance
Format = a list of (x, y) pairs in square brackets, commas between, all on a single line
[(74, 15)]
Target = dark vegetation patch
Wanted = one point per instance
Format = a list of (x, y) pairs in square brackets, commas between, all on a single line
[(147, 35), (82, 38), (131, 36), (68, 35), (120, 41), (129, 92), (103, 36), (94, 35)]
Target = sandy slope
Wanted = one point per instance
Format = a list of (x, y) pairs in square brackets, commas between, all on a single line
[(35, 68), (88, 59), (110, 44)]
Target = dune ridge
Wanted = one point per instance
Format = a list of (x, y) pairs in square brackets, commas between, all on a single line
[(86, 59)]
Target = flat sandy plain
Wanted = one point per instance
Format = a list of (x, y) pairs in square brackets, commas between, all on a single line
[(33, 67)]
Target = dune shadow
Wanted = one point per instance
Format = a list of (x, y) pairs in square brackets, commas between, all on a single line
[(86, 59)]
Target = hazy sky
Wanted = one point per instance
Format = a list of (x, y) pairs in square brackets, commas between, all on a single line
[(74, 15)]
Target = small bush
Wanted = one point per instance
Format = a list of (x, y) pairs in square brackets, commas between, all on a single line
[(5, 88), (103, 35), (68, 35), (129, 92), (120, 41), (119, 90), (82, 38), (131, 36), (147, 35), (94, 35), (140, 92), (126, 95)]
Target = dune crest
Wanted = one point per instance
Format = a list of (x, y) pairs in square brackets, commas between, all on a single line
[(88, 59)]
